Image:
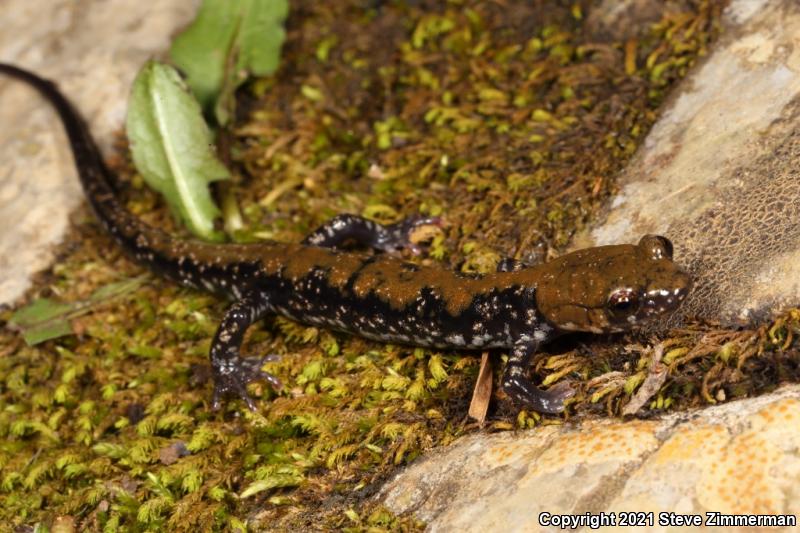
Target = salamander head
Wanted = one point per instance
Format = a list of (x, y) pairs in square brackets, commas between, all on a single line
[(612, 288)]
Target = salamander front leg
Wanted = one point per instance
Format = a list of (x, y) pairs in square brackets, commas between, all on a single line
[(520, 388), (231, 371), (386, 238)]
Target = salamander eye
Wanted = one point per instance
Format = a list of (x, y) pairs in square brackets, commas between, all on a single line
[(656, 247), (623, 302)]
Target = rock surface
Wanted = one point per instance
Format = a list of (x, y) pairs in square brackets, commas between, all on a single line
[(718, 173), (737, 458), (93, 53)]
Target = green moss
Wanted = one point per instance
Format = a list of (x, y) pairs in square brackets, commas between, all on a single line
[(509, 121)]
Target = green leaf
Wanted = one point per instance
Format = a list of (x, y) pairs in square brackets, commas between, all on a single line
[(42, 320), (228, 40), (171, 146), (118, 288), (46, 319)]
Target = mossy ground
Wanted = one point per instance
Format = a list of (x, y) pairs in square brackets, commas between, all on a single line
[(510, 121)]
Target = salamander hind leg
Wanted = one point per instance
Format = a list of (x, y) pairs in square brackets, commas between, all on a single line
[(384, 237), (231, 371), (520, 389)]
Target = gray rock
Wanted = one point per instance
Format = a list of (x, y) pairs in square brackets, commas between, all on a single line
[(93, 49), (718, 173)]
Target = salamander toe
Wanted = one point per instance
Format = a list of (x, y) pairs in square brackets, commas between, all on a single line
[(551, 401), (398, 236), (234, 383)]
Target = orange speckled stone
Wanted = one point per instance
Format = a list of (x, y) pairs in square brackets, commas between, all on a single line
[(750, 474), (736, 458), (610, 442)]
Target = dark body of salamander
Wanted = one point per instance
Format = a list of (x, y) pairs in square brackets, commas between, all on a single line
[(381, 297)]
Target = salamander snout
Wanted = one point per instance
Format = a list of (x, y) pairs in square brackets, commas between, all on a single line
[(668, 285), (629, 306), (652, 287), (662, 300)]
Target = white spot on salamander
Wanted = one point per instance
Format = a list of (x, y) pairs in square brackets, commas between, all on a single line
[(455, 339)]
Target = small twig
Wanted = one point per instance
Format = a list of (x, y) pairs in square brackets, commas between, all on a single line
[(656, 377), (482, 393)]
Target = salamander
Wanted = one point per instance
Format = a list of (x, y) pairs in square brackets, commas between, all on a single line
[(380, 296)]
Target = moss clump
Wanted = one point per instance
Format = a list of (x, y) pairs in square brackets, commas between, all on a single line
[(509, 120)]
